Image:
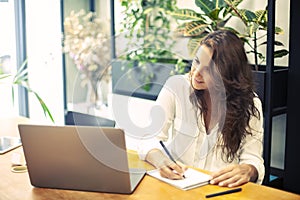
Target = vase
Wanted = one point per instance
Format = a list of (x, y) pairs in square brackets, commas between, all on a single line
[(97, 96)]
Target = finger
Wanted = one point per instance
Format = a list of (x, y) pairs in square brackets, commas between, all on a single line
[(223, 171), (234, 181), (228, 181), (166, 172), (183, 166), (238, 183), (170, 175), (222, 177), (177, 168)]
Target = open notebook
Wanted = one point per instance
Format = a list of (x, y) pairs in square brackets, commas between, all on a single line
[(193, 179)]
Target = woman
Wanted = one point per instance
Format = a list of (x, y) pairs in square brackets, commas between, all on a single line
[(216, 117)]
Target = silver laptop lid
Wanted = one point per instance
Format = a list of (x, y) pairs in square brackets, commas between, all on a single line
[(77, 158)]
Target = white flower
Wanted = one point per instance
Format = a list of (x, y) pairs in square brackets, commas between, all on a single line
[(87, 44)]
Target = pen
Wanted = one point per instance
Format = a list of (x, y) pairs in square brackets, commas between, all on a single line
[(168, 153), (224, 192)]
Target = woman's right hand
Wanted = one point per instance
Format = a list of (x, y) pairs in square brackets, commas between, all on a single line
[(168, 168)]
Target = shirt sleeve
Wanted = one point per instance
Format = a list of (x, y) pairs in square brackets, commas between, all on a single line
[(166, 101), (252, 147)]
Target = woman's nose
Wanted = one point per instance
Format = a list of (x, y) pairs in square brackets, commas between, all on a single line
[(198, 71)]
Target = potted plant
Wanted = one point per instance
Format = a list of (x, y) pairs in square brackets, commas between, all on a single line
[(256, 31), (215, 15), (148, 59), (255, 36), (20, 78), (88, 45)]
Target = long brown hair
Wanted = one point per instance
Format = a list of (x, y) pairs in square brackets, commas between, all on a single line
[(230, 60)]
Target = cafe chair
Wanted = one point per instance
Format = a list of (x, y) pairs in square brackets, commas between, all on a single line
[(83, 119)]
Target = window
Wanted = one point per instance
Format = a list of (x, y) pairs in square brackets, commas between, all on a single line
[(7, 58)]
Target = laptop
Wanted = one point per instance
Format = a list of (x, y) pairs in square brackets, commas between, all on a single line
[(85, 158)]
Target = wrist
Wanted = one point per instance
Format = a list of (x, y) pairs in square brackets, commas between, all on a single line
[(157, 158), (252, 171)]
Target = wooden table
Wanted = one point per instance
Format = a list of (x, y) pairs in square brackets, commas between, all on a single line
[(14, 186)]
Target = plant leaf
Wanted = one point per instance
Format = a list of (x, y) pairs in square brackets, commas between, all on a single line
[(262, 17), (185, 14), (278, 30), (207, 6), (252, 28), (214, 14), (3, 76), (246, 15), (43, 105), (21, 78), (276, 43), (222, 23), (230, 5), (280, 53), (195, 28)]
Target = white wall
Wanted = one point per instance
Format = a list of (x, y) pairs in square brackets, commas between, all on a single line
[(43, 24), (133, 115)]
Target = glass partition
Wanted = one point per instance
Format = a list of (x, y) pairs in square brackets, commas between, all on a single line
[(86, 40)]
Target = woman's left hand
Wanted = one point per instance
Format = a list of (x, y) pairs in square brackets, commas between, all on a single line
[(234, 175)]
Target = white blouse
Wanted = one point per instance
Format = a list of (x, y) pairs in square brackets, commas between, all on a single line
[(187, 139)]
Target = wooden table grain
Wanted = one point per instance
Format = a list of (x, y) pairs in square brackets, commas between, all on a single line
[(15, 186)]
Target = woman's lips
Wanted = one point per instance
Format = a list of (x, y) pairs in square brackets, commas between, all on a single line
[(198, 81)]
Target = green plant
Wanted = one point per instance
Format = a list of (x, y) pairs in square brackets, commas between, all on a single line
[(147, 29), (195, 25), (255, 35), (214, 15), (21, 78)]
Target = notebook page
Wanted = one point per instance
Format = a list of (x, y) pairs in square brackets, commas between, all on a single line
[(193, 178)]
